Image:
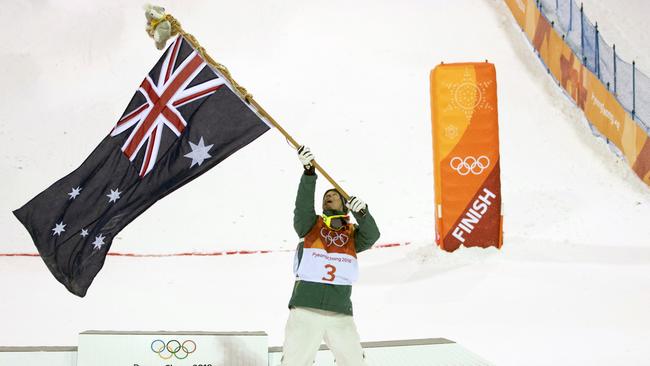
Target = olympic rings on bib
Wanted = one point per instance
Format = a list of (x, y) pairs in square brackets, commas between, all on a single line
[(332, 237), (470, 164), (173, 348)]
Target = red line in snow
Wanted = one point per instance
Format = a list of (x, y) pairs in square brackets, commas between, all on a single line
[(18, 254), (200, 254)]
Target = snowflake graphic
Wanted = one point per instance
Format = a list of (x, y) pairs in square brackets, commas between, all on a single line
[(468, 95)]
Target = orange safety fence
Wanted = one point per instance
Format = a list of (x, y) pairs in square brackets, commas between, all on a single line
[(466, 155), (600, 106)]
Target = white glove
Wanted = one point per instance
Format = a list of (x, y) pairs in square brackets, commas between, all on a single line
[(305, 155), (355, 204)]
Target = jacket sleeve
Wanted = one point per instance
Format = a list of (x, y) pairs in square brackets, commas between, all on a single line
[(304, 215), (367, 232)]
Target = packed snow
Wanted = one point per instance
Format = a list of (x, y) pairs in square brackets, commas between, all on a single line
[(350, 80)]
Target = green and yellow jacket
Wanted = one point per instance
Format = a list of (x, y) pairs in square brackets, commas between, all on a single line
[(320, 295)]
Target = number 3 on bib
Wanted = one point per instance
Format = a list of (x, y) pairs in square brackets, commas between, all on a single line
[(331, 269)]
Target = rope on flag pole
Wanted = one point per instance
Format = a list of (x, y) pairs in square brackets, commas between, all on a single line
[(244, 94)]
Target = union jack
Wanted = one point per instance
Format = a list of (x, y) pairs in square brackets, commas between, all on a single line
[(162, 100)]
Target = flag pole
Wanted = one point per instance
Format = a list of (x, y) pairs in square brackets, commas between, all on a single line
[(245, 95)]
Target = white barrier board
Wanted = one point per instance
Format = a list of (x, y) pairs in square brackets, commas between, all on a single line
[(212, 349), (417, 352), (108, 348), (38, 356)]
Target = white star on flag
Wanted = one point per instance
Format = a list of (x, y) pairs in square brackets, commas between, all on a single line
[(199, 152), (114, 196), (99, 241), (59, 229), (84, 233), (75, 192)]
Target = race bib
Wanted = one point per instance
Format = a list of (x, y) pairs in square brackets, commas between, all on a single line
[(329, 256), (317, 265)]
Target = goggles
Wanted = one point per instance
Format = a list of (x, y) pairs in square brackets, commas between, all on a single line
[(344, 219)]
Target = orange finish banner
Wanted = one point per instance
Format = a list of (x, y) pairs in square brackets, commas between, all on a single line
[(600, 106), (466, 155)]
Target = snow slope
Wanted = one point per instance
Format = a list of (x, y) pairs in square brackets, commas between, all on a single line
[(349, 79), (623, 26)]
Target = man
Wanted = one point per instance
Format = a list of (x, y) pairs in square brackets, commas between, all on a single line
[(325, 267)]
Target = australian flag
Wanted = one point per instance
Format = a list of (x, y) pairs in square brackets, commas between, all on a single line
[(184, 119)]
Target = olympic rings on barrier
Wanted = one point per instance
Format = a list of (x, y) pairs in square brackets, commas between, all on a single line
[(173, 348), (332, 237), (470, 164)]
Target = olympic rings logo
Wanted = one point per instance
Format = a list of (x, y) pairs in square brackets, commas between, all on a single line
[(173, 348), (470, 164), (331, 237)]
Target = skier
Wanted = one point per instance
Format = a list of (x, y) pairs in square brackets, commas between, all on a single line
[(325, 266)]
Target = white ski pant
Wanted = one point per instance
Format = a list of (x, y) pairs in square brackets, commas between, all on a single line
[(307, 327)]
